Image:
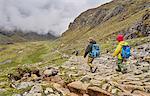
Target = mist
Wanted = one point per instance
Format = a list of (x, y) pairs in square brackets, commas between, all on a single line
[(42, 16)]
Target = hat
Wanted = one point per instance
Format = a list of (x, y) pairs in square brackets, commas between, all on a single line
[(90, 39), (120, 38)]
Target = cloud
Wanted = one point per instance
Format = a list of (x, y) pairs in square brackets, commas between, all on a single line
[(42, 16)]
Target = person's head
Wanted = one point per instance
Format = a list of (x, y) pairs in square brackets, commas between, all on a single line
[(90, 39), (120, 38)]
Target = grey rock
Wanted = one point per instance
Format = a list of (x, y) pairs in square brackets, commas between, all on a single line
[(26, 75), (36, 89), (60, 90), (85, 95), (139, 28), (16, 95), (50, 72), (95, 82), (145, 69), (52, 95), (5, 62), (23, 85), (105, 87), (48, 91), (57, 94), (85, 79), (114, 91), (138, 72), (25, 93), (34, 94), (2, 90)]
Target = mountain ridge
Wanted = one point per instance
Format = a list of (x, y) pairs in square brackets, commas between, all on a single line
[(9, 37), (106, 21)]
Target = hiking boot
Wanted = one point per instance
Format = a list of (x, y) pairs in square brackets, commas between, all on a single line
[(118, 70), (95, 70), (124, 71)]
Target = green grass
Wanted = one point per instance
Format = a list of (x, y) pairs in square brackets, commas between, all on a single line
[(27, 54), (11, 91)]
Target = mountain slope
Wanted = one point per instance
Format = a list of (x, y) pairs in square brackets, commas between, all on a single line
[(9, 37), (128, 17)]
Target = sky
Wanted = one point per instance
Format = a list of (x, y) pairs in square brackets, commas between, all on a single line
[(42, 16)]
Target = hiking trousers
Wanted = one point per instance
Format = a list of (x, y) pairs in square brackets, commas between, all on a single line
[(120, 65), (90, 60)]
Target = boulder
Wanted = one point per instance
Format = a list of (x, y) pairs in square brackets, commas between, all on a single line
[(16, 95), (139, 83), (33, 77), (48, 91), (34, 94), (72, 94), (127, 94), (114, 91), (50, 72), (36, 89), (78, 87), (110, 89), (23, 85), (145, 69), (138, 72), (85, 95), (37, 72), (2, 90), (55, 79), (105, 86), (96, 91), (61, 89), (141, 93), (95, 82), (85, 79), (53, 95), (147, 59)]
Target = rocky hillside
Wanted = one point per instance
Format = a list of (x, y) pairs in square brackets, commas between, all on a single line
[(46, 68), (10, 37), (73, 78), (128, 17)]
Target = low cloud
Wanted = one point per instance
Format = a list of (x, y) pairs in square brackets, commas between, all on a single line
[(42, 16)]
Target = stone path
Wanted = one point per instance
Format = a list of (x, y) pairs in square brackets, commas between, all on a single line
[(73, 78)]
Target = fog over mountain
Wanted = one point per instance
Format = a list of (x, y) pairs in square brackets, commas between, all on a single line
[(42, 16)]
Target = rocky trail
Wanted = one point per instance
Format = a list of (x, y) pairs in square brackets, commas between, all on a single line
[(73, 78)]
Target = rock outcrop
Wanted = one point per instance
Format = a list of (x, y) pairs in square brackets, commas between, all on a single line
[(139, 29)]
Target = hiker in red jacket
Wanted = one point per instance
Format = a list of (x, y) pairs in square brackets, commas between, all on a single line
[(122, 47)]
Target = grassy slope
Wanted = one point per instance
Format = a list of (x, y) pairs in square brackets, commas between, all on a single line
[(4, 39), (28, 54)]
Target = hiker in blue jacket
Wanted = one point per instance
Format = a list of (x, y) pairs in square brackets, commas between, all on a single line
[(93, 50)]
